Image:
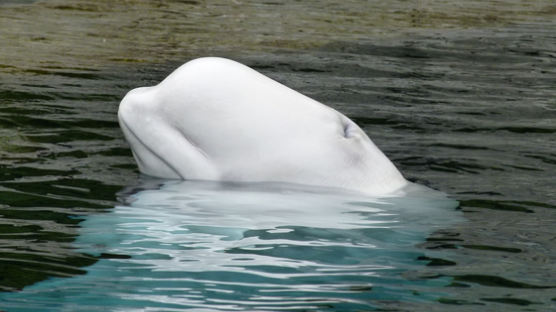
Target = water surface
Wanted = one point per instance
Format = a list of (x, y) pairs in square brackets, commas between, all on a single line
[(461, 98), (223, 246)]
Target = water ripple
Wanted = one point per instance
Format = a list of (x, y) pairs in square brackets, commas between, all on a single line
[(468, 111)]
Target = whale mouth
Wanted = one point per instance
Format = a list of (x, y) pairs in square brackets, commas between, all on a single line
[(146, 157)]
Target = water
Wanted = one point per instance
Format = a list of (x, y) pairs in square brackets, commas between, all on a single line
[(461, 100), (213, 246)]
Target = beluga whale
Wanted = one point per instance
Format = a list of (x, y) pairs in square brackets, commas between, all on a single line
[(216, 119)]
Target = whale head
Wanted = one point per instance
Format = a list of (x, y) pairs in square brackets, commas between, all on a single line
[(216, 119)]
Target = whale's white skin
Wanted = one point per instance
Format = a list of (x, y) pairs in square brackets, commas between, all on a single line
[(216, 119)]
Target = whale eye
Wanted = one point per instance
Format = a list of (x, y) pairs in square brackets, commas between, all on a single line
[(349, 128), (346, 130)]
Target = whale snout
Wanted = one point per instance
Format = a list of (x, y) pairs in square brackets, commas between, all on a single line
[(133, 118)]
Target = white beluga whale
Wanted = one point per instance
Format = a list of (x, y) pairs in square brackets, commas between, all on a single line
[(216, 119)]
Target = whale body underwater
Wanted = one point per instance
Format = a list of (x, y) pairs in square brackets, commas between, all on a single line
[(216, 119)]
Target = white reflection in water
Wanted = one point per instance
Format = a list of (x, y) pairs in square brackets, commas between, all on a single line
[(222, 246)]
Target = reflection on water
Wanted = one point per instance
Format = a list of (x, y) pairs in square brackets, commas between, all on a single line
[(460, 95), (249, 247)]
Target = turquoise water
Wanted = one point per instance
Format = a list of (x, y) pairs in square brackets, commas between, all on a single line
[(250, 247)]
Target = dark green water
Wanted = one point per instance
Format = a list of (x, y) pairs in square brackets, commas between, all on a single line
[(470, 112)]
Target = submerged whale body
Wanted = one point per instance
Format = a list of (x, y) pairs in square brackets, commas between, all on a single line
[(216, 119), (168, 239)]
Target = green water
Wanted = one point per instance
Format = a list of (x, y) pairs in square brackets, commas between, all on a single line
[(459, 96)]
